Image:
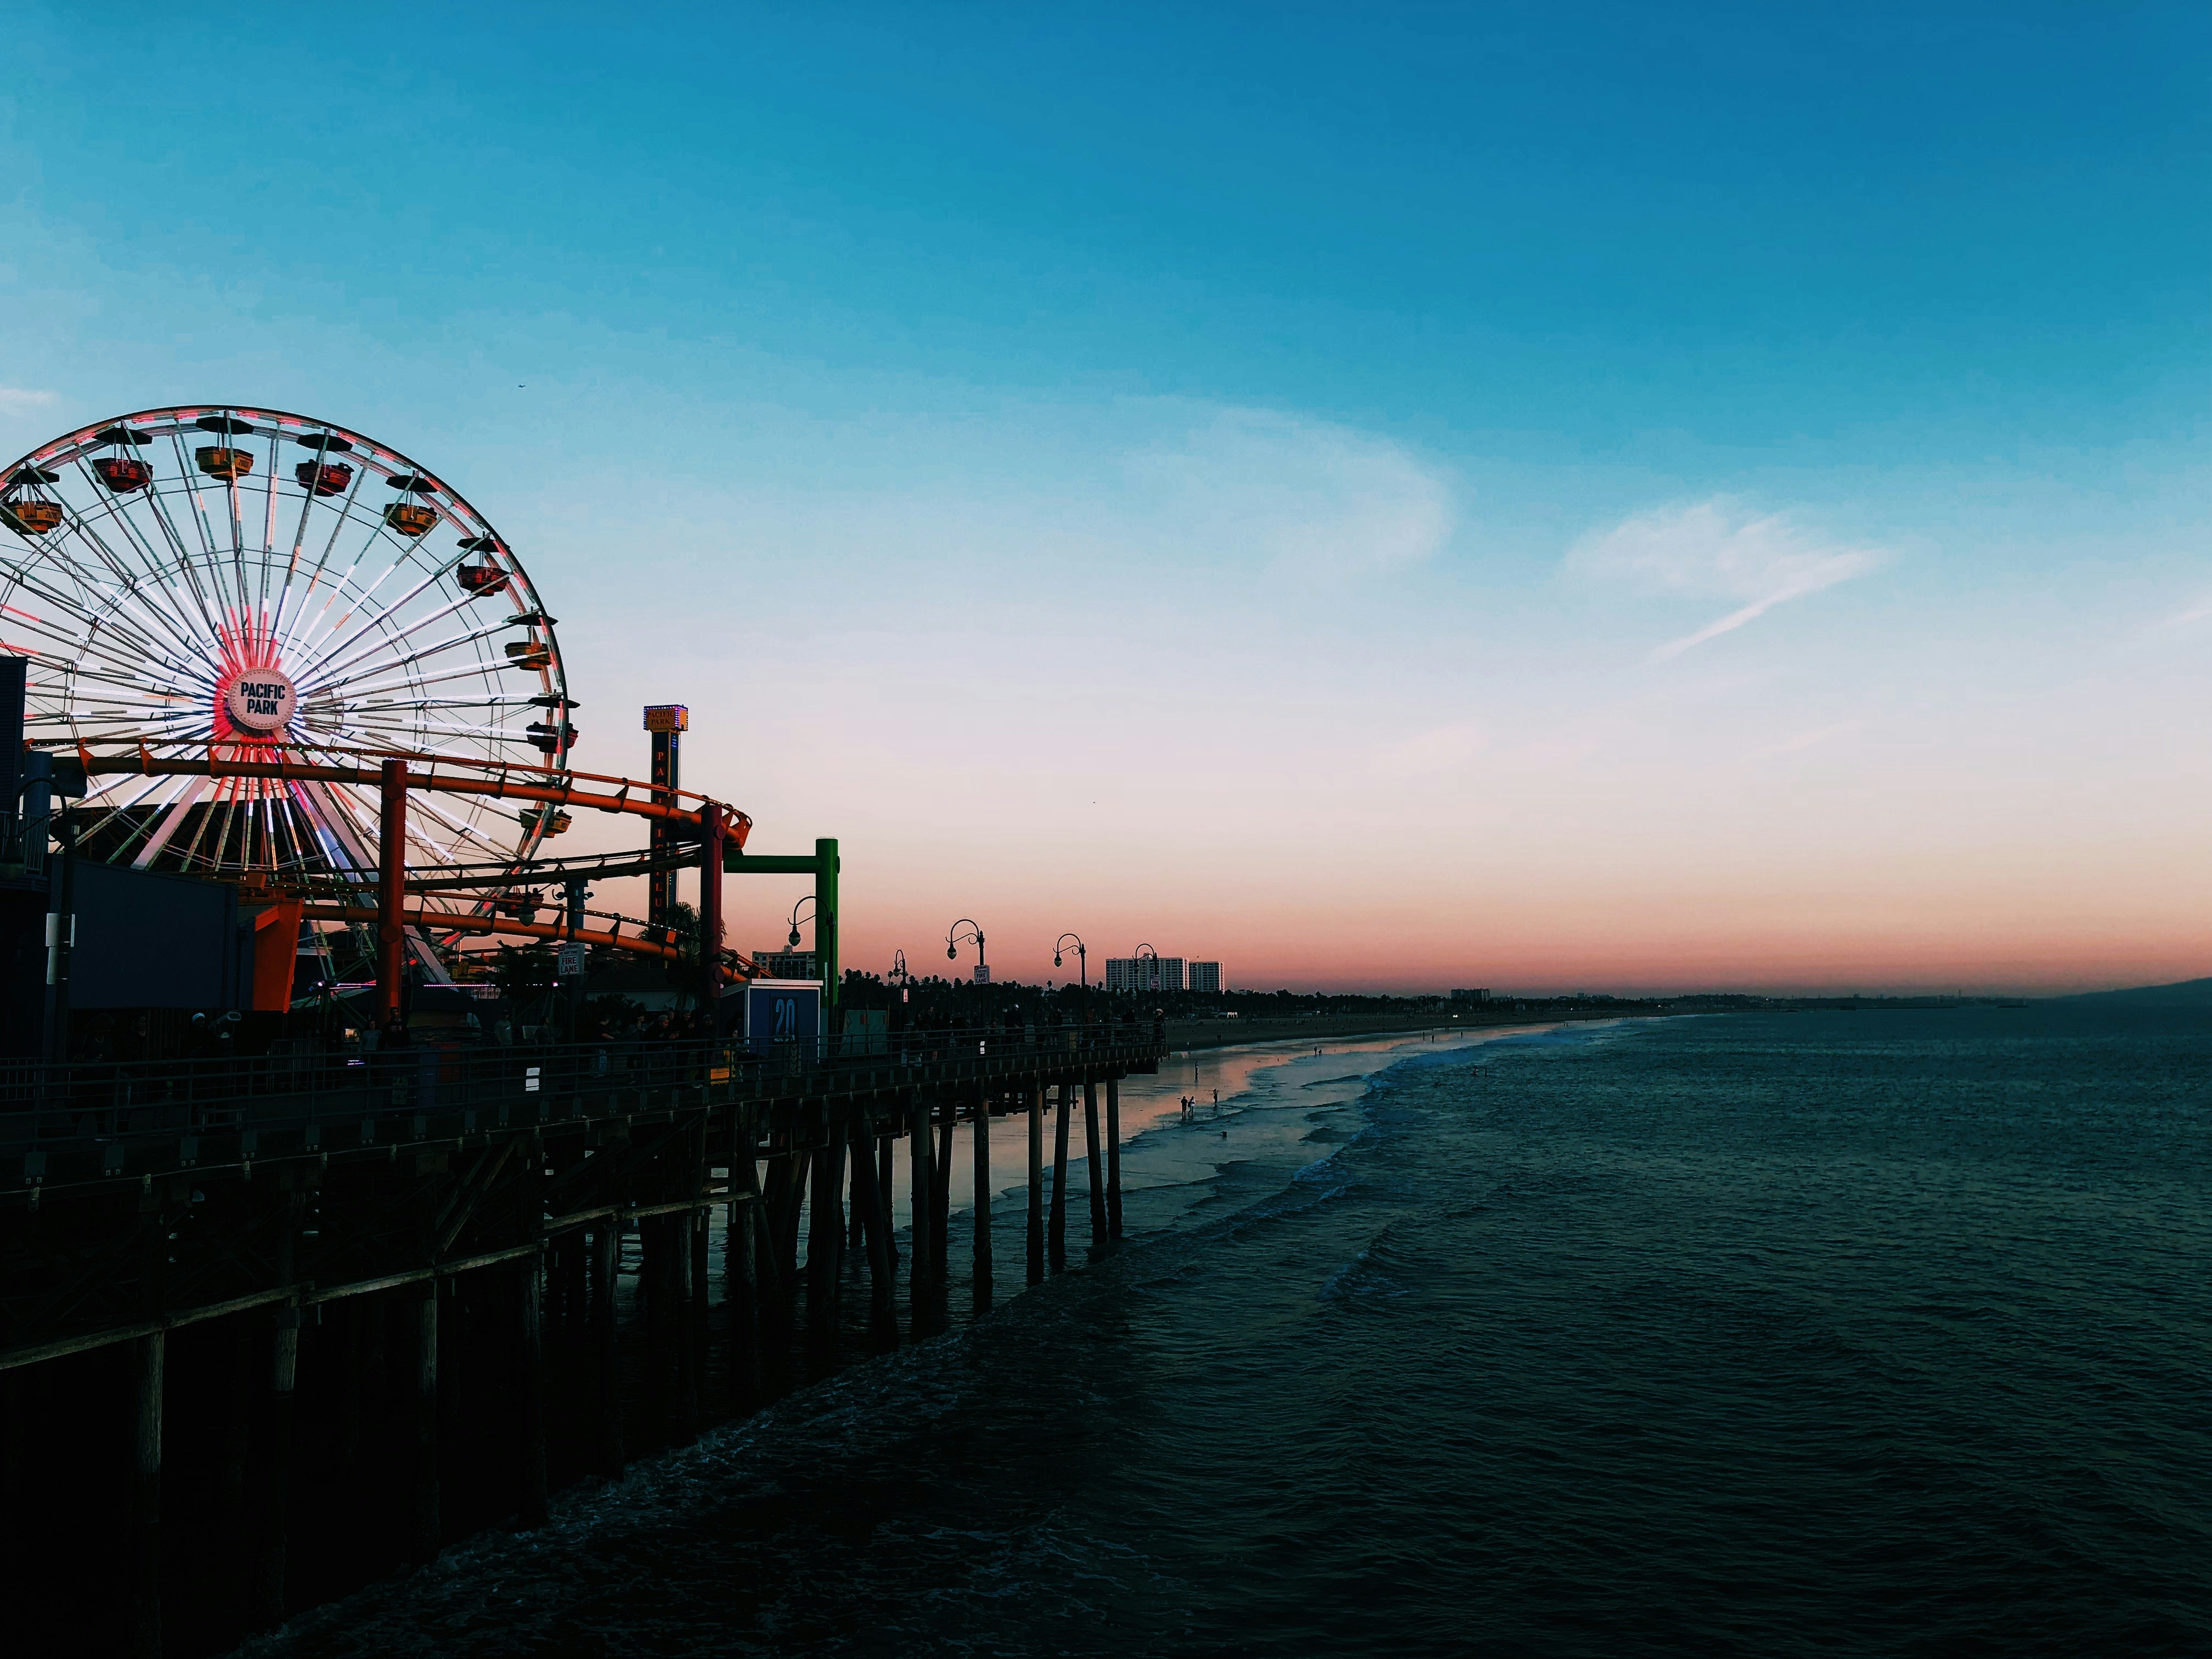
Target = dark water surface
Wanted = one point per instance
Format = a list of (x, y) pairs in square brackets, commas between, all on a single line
[(1820, 1333)]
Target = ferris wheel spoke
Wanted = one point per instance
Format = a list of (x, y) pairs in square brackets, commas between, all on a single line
[(416, 833), (482, 666), (380, 544), (427, 653), (125, 578), (319, 662), (346, 844), (278, 616), (462, 828), (288, 811), (281, 621), (186, 568), (437, 571), (436, 749), (200, 827), (118, 808), (340, 517), (151, 583), (442, 728), (114, 512), (269, 517), (172, 815), (48, 594), (198, 498), (218, 818), (343, 589), (231, 498)]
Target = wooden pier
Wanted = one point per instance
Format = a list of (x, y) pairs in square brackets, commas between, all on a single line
[(271, 1328)]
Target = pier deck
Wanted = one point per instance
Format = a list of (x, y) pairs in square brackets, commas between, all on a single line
[(487, 1202)]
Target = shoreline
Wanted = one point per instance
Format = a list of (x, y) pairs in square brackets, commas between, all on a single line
[(1189, 1037)]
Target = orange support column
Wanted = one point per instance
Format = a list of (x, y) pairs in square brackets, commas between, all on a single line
[(275, 955), (391, 892)]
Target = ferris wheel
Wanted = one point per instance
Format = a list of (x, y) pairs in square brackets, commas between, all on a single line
[(248, 584)]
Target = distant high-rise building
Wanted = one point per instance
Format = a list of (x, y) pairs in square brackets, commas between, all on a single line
[(1143, 975), (1470, 996), (784, 964), (1206, 979)]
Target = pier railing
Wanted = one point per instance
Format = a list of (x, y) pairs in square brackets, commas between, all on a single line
[(108, 1120)]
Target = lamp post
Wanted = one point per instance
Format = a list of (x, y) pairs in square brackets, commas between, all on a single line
[(1144, 951), (1083, 967), (804, 899), (954, 938)]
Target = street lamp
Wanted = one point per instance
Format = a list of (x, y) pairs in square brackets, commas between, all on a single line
[(1144, 951), (954, 938), (803, 899), (1083, 967)]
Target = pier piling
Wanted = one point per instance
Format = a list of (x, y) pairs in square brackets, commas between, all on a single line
[(428, 1528), (530, 1359), (1036, 1184), (1098, 1185), (152, 1350), (825, 1241), (921, 1196), (871, 1208), (606, 1261), (408, 1286), (982, 1197), (1113, 1160)]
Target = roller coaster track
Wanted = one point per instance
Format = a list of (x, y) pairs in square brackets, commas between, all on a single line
[(510, 780)]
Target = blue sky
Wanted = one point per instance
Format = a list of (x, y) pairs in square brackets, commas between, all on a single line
[(1332, 443)]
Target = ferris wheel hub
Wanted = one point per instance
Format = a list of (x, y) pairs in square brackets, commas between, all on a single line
[(260, 701)]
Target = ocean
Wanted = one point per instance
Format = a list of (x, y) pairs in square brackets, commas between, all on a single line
[(1879, 1333)]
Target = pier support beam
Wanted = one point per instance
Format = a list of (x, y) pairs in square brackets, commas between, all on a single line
[(982, 1197), (1114, 1160), (606, 1398), (886, 1184), (871, 1207), (921, 1193), (941, 1208), (1097, 1179), (150, 1358), (1036, 1184), (1060, 1177), (428, 1529), (741, 1273), (532, 1360), (687, 1240), (276, 1458), (275, 1449), (825, 1244)]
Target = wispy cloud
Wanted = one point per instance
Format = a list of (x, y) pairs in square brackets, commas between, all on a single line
[(13, 400), (1305, 496), (1425, 754), (2196, 612), (1718, 549)]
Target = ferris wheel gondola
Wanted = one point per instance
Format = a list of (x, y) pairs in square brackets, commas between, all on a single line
[(253, 585)]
